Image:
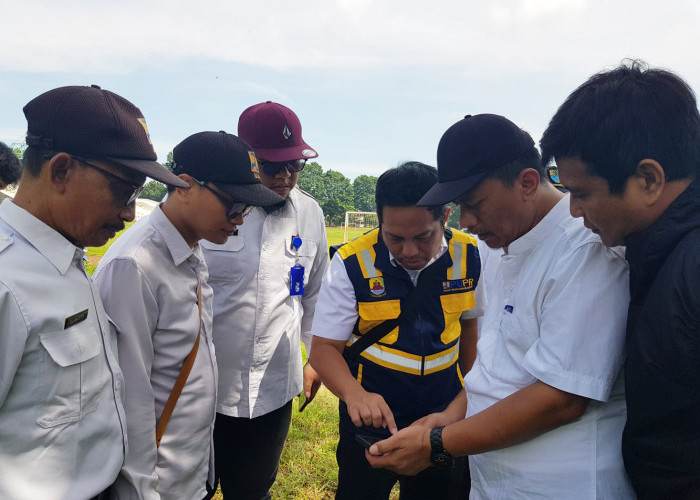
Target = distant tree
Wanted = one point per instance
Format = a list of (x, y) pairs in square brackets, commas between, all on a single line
[(453, 219), (337, 198), (169, 162), (154, 190), (363, 188), (311, 180)]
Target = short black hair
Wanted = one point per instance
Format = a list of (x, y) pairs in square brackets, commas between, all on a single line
[(10, 168), (509, 172), (404, 186), (34, 158), (618, 118)]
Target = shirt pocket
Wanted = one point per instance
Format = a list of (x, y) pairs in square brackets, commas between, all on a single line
[(218, 258), (516, 335), (453, 305), (72, 375), (375, 313), (306, 255)]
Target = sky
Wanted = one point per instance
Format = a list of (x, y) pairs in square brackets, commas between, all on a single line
[(374, 83)]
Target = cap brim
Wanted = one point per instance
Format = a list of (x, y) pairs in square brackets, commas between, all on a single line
[(152, 169), (252, 194), (445, 192), (302, 151)]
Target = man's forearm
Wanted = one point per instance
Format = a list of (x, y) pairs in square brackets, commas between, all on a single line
[(327, 359), (522, 416)]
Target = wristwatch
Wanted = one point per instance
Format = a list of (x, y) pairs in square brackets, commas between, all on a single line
[(438, 454)]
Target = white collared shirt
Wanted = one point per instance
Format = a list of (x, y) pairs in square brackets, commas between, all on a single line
[(62, 432), (258, 325), (556, 312), (148, 282), (338, 307)]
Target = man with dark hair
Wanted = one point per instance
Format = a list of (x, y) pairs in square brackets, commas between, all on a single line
[(10, 169), (266, 280), (544, 400), (420, 278), (62, 424), (627, 146), (153, 282)]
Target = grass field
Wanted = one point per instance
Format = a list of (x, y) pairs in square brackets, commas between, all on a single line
[(308, 470)]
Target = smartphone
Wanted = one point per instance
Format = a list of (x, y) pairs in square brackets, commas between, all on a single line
[(366, 441), (303, 401)]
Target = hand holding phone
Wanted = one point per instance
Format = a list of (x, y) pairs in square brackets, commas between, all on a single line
[(366, 441)]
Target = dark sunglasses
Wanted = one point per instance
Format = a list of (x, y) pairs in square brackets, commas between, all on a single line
[(275, 167), (236, 208), (135, 188)]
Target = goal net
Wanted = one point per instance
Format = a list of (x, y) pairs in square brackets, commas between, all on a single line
[(357, 223)]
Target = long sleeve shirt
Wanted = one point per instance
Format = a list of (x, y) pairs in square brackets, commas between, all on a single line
[(258, 325), (148, 281), (62, 423)]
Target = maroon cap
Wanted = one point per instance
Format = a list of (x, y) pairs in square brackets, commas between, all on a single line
[(274, 131), (94, 123)]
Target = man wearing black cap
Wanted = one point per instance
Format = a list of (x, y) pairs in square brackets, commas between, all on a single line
[(153, 282), (266, 280), (544, 400), (62, 424)]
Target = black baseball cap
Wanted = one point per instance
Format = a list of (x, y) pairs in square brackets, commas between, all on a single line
[(94, 123), (274, 131), (227, 161), (469, 150)]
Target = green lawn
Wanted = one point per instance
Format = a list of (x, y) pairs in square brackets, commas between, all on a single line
[(308, 470)]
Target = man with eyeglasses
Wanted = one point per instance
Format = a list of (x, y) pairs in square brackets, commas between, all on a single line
[(266, 280), (153, 281), (62, 423)]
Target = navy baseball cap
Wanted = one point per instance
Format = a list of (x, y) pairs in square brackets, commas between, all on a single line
[(94, 123), (227, 161), (469, 150), (274, 131)]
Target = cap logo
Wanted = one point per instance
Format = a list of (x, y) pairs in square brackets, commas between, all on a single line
[(142, 121), (254, 165), (286, 132)]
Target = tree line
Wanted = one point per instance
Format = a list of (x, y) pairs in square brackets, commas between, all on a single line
[(334, 192)]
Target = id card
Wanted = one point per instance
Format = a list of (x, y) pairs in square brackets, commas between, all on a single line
[(296, 280)]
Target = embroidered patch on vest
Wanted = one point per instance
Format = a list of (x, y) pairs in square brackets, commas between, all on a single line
[(463, 285), (376, 286)]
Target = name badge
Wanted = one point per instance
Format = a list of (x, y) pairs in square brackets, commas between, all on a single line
[(296, 280), (75, 319)]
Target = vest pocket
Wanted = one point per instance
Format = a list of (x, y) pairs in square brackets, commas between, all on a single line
[(72, 375), (453, 305), (374, 313)]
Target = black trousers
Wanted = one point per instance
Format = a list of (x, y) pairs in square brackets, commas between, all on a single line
[(357, 480), (247, 453)]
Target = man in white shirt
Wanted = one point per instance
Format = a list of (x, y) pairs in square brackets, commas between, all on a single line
[(262, 311), (62, 423), (153, 282), (423, 276), (545, 400)]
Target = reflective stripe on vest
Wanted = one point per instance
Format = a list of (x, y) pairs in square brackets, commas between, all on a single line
[(395, 359)]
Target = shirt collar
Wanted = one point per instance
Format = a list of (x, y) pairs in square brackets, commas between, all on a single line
[(441, 251), (542, 229), (49, 242), (179, 250)]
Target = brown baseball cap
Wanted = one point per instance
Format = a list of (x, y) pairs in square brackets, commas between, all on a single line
[(94, 123)]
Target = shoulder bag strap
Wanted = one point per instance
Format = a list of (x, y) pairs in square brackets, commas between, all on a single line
[(181, 378), (408, 309)]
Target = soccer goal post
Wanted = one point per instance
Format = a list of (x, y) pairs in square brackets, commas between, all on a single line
[(357, 223)]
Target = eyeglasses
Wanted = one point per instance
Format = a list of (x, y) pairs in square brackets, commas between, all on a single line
[(135, 188), (275, 167), (236, 208)]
